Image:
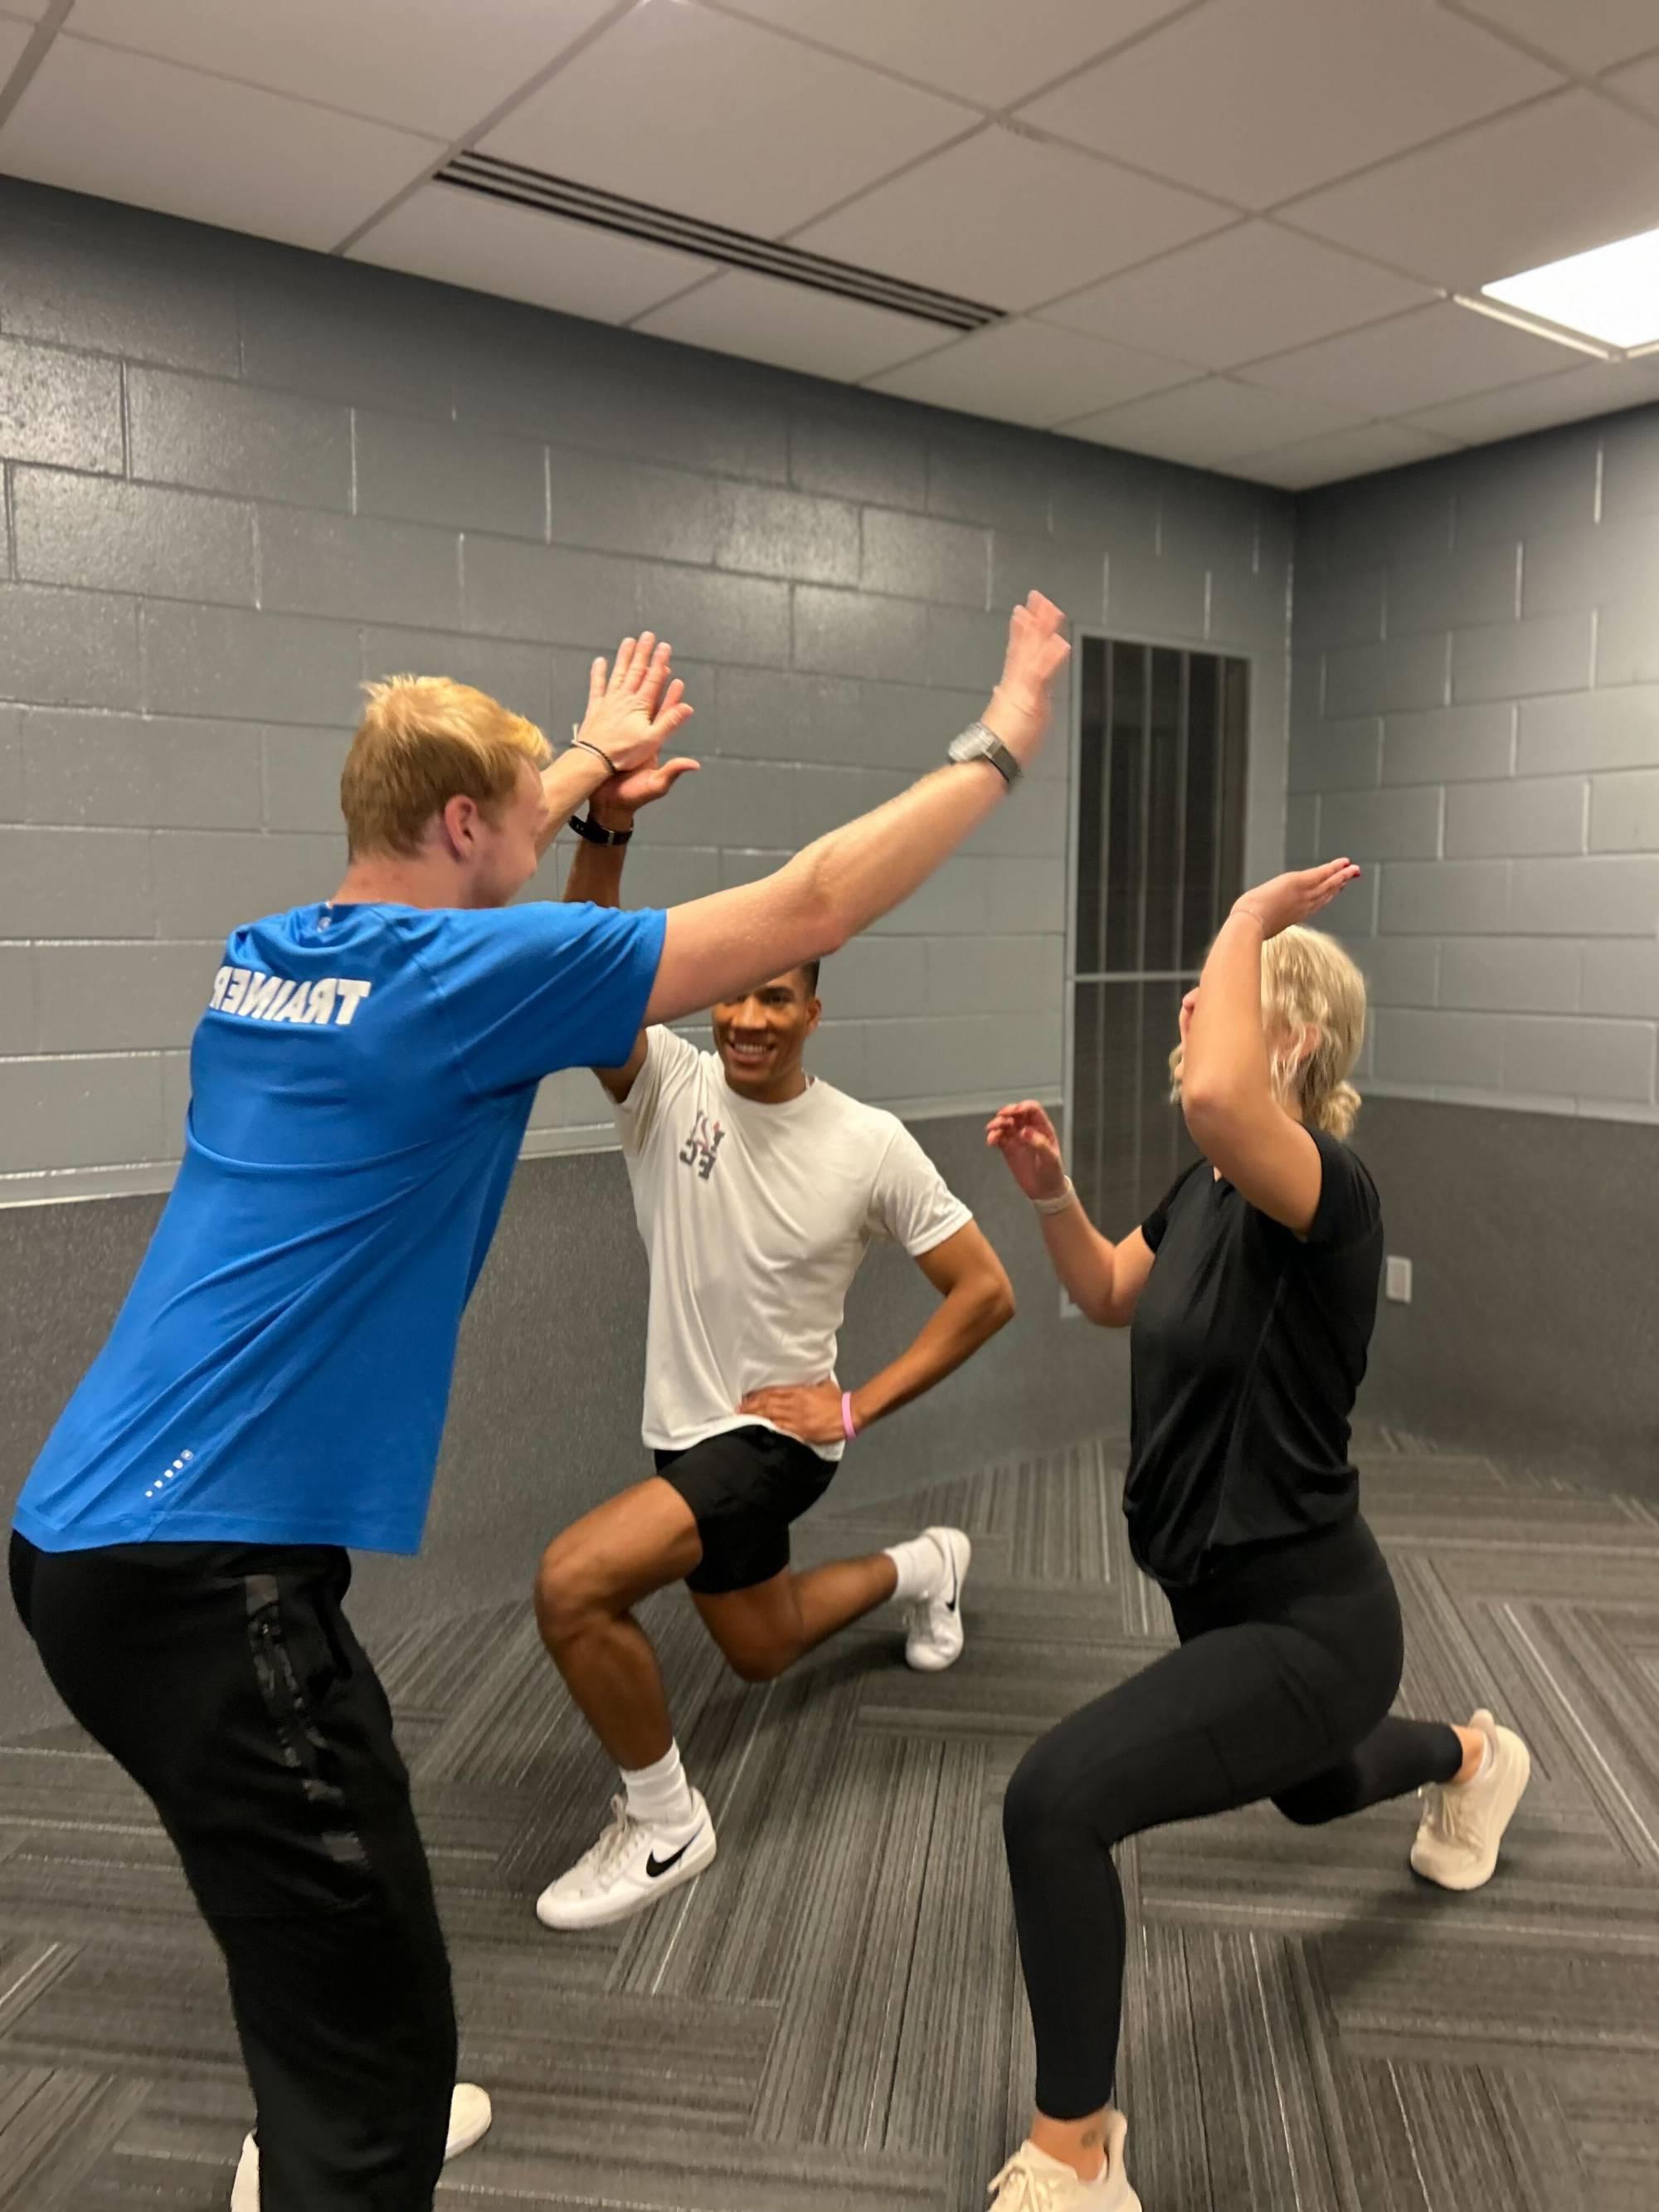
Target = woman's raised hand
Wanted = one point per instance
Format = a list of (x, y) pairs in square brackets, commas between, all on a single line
[(1027, 1139)]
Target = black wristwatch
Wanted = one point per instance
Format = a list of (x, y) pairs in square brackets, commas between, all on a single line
[(596, 833), (977, 743)]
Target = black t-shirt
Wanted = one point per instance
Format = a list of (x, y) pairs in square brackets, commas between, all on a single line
[(1247, 1348)]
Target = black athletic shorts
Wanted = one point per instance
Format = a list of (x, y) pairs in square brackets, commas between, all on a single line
[(745, 1486)]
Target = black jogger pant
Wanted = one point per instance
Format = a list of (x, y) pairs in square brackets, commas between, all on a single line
[(227, 1681), (1291, 1656)]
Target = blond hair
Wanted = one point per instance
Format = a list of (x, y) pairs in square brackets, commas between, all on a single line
[(422, 741), (1308, 981)]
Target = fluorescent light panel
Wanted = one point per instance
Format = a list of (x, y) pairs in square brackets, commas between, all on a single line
[(1611, 292)]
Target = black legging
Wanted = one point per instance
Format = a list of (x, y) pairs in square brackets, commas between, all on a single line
[(1290, 1658)]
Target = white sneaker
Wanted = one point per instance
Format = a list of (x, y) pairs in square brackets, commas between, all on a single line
[(932, 1626), (1033, 2182), (1463, 1822), (469, 2119), (632, 1865)]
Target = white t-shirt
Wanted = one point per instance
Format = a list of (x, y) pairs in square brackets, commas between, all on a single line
[(756, 1219)]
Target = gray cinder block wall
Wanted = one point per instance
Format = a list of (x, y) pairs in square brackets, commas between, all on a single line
[(1475, 717), (241, 478)]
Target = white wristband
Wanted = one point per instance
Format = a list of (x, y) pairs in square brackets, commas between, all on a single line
[(1067, 1197)]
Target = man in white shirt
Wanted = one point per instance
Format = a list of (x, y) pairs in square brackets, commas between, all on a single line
[(758, 1189)]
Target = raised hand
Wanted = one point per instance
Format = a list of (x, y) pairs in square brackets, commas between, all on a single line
[(1021, 704), (620, 797), (1028, 1140), (634, 709), (1295, 897)]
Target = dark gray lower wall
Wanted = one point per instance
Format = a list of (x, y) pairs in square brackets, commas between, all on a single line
[(1531, 1329), (1534, 1313), (544, 1419)]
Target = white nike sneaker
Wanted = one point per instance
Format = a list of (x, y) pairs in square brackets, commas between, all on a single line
[(469, 2119), (632, 1865), (1463, 1822), (932, 1626), (1033, 2182)]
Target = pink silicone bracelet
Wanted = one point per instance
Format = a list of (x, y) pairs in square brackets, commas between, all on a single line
[(848, 1426)]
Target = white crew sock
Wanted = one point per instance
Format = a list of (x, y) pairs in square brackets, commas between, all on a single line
[(1046, 2163), (922, 1569), (660, 1794)]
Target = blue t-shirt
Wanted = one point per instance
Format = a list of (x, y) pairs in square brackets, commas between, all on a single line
[(360, 1083)]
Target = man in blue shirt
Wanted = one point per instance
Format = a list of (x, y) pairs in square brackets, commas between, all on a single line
[(274, 1389)]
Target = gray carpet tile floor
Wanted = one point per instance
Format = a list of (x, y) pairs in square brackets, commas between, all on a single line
[(831, 2019)]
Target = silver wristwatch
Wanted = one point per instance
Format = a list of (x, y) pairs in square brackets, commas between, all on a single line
[(977, 743)]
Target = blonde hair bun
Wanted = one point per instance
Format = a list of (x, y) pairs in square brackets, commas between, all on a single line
[(1308, 981)]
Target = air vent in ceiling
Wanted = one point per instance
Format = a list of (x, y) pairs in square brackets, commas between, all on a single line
[(710, 242)]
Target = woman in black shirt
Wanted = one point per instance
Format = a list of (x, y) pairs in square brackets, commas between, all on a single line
[(1252, 1292)]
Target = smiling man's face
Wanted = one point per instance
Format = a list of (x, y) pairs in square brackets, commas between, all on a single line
[(760, 1037)]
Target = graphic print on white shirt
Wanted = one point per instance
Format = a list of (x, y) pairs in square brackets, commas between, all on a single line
[(702, 1146), (755, 1220)]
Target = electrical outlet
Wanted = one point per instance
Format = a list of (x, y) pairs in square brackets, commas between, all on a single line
[(1397, 1281)]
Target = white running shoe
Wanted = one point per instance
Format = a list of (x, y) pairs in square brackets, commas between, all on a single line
[(932, 1626), (1033, 2182), (632, 1865), (1463, 1822), (469, 2119)]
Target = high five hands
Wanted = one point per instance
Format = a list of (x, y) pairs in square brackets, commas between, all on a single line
[(634, 709), (636, 705)]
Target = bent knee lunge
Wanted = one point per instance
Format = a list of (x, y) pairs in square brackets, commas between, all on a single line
[(1328, 1797), (1040, 1805), (760, 1664), (755, 1650), (566, 1598), (757, 1628), (610, 1559)]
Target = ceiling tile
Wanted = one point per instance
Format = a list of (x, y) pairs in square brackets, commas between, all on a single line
[(1418, 360), (430, 69), (34, 10), (720, 119), (965, 221), (1556, 178), (1212, 421), (1585, 34), (1640, 83), (1341, 453), (980, 49), (1249, 291), (792, 327), (490, 245), (1030, 372), (1254, 100), (1597, 388), (127, 128)]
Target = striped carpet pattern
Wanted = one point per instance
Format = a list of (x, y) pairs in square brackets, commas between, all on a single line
[(830, 2020)]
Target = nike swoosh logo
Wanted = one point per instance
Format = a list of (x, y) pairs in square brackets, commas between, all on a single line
[(655, 1867)]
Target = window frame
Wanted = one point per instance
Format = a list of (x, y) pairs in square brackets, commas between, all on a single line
[(1082, 637)]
